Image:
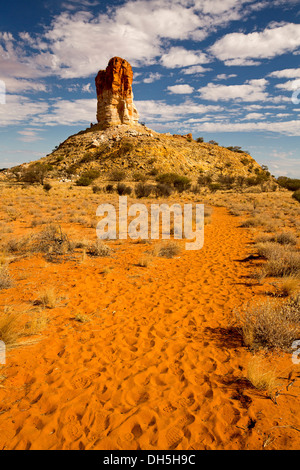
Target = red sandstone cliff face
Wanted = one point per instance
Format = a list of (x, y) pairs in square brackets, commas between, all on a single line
[(114, 94)]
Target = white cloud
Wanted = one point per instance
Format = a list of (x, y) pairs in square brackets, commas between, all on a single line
[(181, 89), (273, 41), (251, 116), (152, 77), (224, 76), (69, 113), (195, 69), (252, 90), (160, 111), (87, 88), (290, 128), (291, 85), (285, 73), (180, 57), (29, 135), (19, 110)]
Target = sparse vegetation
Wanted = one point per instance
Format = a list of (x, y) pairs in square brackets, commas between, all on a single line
[(270, 324), (5, 279), (143, 190), (98, 248), (167, 250)]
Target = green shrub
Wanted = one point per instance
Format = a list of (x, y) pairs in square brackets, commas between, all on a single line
[(123, 189), (96, 189), (226, 180), (163, 190), (143, 190), (296, 195), (36, 173), (109, 188), (215, 187), (289, 183), (47, 187), (87, 177), (180, 183), (204, 179), (166, 178), (139, 177), (117, 175)]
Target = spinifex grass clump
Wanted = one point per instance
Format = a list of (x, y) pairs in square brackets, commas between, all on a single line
[(98, 248), (270, 324), (281, 260), (167, 250), (5, 279), (52, 241)]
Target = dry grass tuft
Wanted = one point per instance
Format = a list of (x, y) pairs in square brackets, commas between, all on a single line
[(144, 261), (167, 250), (287, 287), (99, 248), (270, 324), (11, 328), (48, 298), (81, 318), (5, 279), (281, 260), (261, 377)]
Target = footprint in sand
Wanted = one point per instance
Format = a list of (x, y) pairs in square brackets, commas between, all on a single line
[(81, 382), (99, 425), (169, 408), (174, 436)]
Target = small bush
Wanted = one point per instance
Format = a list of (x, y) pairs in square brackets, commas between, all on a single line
[(289, 286), (47, 187), (226, 180), (88, 177), (5, 279), (163, 190), (182, 183), (96, 189), (270, 324), (253, 222), (167, 250), (204, 179), (284, 238), (291, 184), (296, 195), (281, 261), (117, 175), (48, 298), (261, 377), (143, 190), (139, 177), (53, 241), (109, 188), (123, 189), (213, 187), (98, 249)]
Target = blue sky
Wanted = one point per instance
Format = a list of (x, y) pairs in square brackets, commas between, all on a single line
[(226, 70)]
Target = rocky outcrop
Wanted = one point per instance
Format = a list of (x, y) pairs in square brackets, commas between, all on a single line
[(114, 95)]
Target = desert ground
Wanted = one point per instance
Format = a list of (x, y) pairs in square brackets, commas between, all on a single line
[(129, 345)]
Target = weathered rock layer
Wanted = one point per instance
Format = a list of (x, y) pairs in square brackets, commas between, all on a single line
[(114, 95)]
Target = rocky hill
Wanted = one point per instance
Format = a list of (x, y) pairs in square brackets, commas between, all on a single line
[(118, 141), (137, 148)]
